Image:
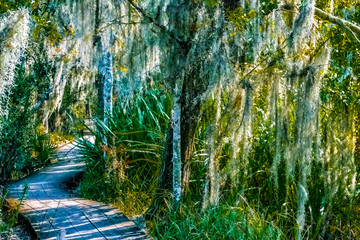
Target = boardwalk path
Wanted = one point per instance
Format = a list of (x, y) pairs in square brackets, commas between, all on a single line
[(54, 212)]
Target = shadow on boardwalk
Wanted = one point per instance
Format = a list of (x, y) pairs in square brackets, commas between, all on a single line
[(55, 213)]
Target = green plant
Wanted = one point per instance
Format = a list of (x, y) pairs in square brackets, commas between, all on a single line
[(42, 148), (223, 222), (9, 212), (59, 138), (124, 160)]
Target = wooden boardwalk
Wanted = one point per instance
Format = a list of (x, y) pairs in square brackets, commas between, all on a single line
[(55, 213)]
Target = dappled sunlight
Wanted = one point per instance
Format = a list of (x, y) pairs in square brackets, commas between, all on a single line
[(197, 119), (51, 209)]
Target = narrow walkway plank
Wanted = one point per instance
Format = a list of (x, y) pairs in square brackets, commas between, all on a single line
[(52, 209)]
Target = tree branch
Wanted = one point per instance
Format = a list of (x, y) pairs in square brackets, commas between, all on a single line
[(156, 23), (44, 97), (349, 28), (331, 18)]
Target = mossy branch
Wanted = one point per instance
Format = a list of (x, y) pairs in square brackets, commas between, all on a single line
[(349, 27), (163, 28), (43, 98), (331, 18)]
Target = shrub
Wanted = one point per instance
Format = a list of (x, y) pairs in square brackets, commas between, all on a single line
[(223, 222), (42, 148), (125, 169)]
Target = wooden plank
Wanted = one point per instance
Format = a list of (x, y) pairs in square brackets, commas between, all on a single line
[(80, 222), (42, 227), (50, 208), (59, 221), (112, 227)]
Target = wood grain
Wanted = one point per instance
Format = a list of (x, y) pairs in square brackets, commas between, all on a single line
[(50, 208)]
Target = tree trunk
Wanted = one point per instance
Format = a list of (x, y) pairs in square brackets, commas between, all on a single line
[(105, 76), (176, 158), (164, 185), (190, 116)]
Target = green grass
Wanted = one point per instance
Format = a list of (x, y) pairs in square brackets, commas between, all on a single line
[(124, 171), (223, 222)]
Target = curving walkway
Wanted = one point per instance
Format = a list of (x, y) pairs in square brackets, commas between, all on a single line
[(55, 213)]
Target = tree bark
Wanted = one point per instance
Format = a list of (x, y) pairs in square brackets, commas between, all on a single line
[(176, 158), (190, 116), (104, 78), (164, 186)]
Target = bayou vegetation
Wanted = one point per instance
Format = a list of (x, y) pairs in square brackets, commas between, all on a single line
[(214, 119)]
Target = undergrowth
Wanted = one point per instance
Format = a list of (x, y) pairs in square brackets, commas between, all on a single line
[(42, 148), (223, 222), (124, 171), (23, 151), (9, 213), (123, 164), (60, 138)]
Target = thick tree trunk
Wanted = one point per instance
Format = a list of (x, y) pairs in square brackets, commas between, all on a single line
[(190, 116), (189, 88)]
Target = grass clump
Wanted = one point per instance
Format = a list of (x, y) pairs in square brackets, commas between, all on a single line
[(9, 213), (223, 222), (124, 171)]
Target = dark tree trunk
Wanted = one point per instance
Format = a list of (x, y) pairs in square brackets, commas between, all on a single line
[(190, 116), (165, 185)]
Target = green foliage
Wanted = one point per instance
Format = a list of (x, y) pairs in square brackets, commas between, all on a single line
[(60, 138), (123, 162), (211, 3), (268, 6), (4, 226), (9, 213), (6, 5), (45, 28), (18, 128), (40, 9), (42, 148), (239, 17), (22, 148), (15, 155), (125, 170), (223, 222), (20, 158)]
